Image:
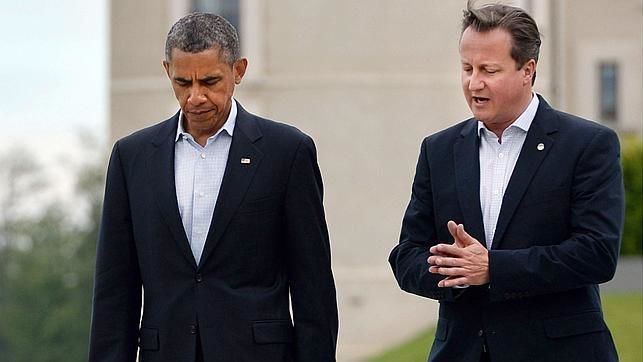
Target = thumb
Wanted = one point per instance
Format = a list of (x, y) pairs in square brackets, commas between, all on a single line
[(463, 237), (453, 230)]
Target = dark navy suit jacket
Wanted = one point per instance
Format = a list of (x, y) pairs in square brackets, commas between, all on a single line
[(557, 238), (268, 239)]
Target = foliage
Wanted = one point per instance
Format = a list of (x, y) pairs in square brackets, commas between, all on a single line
[(46, 268), (632, 160), (623, 313)]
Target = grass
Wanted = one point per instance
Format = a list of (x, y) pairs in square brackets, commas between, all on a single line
[(624, 316), (623, 313)]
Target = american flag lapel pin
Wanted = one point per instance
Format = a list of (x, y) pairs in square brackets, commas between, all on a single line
[(245, 161)]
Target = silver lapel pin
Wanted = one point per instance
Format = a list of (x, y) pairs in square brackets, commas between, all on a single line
[(245, 161), (540, 147)]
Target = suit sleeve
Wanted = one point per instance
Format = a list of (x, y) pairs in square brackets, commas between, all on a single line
[(311, 281), (116, 302), (590, 254), (409, 258)]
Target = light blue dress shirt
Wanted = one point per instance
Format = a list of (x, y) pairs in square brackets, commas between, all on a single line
[(198, 173), (497, 162)]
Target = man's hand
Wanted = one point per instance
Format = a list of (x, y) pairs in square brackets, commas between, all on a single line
[(465, 262)]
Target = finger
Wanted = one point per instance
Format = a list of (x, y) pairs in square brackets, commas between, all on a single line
[(464, 236), (452, 282), (453, 228), (436, 254), (450, 250), (434, 249), (448, 271)]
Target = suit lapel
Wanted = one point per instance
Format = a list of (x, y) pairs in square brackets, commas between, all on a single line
[(161, 170), (243, 160), (531, 156), (467, 179)]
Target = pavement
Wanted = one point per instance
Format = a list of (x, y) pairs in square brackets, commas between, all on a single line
[(628, 278), (376, 315)]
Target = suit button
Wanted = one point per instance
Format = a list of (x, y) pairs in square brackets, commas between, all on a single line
[(198, 278), (480, 333), (193, 329)]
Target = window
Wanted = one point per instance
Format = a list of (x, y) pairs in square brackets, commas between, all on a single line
[(229, 9), (608, 88)]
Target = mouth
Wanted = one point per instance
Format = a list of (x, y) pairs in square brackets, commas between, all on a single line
[(479, 100), (200, 111)]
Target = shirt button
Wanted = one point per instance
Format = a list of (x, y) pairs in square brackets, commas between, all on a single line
[(203, 155), (501, 155), (496, 192)]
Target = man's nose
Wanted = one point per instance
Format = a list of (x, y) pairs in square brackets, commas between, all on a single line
[(475, 82), (196, 96)]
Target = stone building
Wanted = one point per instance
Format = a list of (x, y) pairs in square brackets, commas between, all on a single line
[(368, 80)]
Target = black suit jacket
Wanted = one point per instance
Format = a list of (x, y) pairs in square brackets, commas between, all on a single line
[(557, 237), (268, 239)]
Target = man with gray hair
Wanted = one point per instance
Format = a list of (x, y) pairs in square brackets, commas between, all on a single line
[(217, 216), (515, 214)]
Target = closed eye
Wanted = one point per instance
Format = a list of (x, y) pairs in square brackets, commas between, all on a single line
[(182, 82), (211, 80)]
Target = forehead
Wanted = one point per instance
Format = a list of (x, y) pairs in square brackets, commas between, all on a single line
[(494, 43), (203, 61)]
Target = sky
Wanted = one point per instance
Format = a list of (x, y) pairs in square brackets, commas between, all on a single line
[(54, 90), (53, 67)]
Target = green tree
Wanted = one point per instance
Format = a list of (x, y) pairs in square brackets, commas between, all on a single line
[(46, 264), (632, 160)]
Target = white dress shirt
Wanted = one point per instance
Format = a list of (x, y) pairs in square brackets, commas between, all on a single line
[(497, 162), (198, 173)]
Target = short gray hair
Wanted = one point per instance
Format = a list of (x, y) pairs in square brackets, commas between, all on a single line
[(197, 32)]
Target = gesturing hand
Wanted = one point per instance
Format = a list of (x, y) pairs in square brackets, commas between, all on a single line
[(465, 262)]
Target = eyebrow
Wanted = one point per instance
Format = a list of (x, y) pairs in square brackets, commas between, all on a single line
[(209, 78)]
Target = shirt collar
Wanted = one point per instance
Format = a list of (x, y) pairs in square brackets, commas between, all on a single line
[(228, 126), (525, 119)]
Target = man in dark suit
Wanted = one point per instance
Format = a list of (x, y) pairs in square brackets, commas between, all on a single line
[(515, 215), (216, 216)]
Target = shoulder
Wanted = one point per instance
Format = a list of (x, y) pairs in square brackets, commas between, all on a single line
[(580, 133), (567, 124), (141, 139), (281, 131), (448, 136), (272, 134)]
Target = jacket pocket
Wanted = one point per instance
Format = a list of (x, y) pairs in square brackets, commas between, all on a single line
[(148, 339), (442, 329), (574, 325), (261, 205), (276, 331)]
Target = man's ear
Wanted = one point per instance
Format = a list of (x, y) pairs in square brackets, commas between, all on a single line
[(166, 65), (529, 70), (239, 68)]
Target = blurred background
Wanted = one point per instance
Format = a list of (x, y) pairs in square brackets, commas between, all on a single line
[(77, 75)]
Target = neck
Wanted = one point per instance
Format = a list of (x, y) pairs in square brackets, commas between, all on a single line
[(499, 128)]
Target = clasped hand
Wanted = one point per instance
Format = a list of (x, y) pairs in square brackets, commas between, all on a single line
[(465, 262)]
